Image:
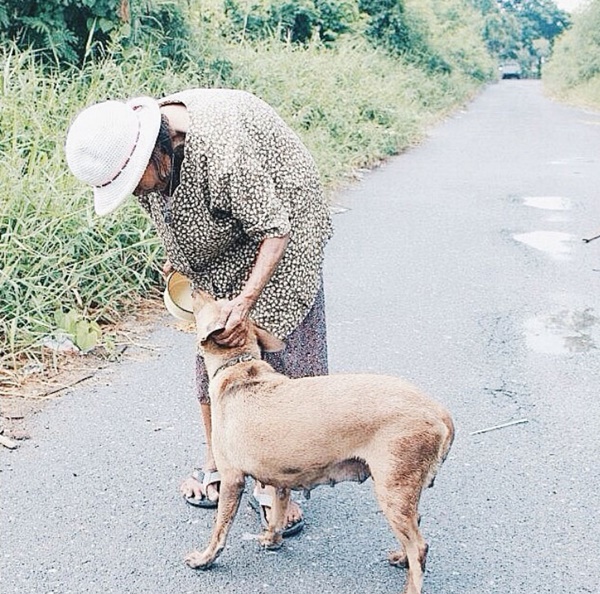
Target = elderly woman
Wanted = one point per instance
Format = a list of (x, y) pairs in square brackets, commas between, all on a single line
[(236, 199)]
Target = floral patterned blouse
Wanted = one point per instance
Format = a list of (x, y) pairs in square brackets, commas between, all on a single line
[(245, 176)]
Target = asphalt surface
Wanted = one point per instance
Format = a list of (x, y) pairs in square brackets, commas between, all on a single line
[(459, 265)]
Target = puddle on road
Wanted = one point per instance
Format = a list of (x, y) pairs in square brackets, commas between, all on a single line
[(557, 218), (555, 243), (590, 122), (548, 202), (567, 331), (571, 161), (338, 209)]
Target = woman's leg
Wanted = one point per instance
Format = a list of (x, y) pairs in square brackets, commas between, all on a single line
[(305, 354), (192, 488)]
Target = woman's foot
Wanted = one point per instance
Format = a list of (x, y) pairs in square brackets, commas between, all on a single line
[(261, 501), (202, 488)]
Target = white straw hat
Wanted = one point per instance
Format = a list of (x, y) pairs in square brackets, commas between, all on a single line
[(109, 146)]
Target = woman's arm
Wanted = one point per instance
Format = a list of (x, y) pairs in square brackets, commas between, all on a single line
[(234, 313)]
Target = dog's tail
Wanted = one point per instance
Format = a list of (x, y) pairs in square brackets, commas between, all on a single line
[(445, 445)]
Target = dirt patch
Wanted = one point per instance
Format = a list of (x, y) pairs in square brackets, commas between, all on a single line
[(52, 375)]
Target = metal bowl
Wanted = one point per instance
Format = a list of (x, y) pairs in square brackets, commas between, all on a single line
[(178, 297)]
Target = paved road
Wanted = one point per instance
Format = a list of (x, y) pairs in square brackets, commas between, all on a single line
[(459, 265)]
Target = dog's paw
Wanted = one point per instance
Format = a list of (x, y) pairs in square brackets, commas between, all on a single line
[(198, 560), (398, 558), (270, 541)]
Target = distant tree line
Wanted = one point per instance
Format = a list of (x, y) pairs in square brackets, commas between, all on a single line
[(71, 31)]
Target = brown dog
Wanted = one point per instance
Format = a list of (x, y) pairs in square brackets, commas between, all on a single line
[(300, 433)]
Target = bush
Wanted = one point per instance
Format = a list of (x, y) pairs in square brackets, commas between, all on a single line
[(69, 31), (455, 31), (573, 72), (295, 21), (353, 105), (401, 32)]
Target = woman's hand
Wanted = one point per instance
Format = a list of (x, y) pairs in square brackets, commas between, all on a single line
[(234, 313), (234, 316), (167, 268)]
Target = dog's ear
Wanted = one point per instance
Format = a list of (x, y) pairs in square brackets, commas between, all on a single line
[(268, 342), (207, 314), (204, 331)]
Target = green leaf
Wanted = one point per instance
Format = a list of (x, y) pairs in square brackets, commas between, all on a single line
[(105, 25), (70, 322), (87, 335)]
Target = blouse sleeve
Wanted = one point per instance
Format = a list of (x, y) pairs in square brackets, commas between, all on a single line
[(250, 195)]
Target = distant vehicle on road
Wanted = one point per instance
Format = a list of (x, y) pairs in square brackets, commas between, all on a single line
[(510, 70)]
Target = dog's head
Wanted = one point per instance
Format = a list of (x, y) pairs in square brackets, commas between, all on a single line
[(207, 312)]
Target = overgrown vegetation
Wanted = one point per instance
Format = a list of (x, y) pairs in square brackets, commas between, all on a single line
[(295, 21), (71, 31), (573, 73), (353, 97)]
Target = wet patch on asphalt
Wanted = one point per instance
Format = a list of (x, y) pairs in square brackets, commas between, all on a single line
[(548, 202), (566, 331), (555, 243)]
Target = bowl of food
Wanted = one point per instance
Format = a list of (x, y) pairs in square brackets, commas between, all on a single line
[(178, 297)]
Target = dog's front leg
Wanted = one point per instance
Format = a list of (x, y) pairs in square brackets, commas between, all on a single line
[(230, 493), (271, 538)]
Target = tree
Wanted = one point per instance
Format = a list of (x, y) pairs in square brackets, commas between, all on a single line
[(502, 33), (540, 18), (522, 29)]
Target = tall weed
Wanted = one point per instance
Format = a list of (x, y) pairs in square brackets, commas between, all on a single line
[(353, 104), (55, 254)]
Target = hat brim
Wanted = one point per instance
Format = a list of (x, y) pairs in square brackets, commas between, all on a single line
[(108, 198)]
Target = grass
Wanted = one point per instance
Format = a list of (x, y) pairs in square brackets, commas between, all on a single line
[(585, 93), (353, 106)]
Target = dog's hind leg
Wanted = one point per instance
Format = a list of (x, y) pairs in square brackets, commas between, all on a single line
[(401, 511), (399, 500), (230, 493)]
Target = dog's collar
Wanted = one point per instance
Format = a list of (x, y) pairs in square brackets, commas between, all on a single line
[(243, 358)]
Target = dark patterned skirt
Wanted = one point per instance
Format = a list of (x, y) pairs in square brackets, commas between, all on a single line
[(305, 352)]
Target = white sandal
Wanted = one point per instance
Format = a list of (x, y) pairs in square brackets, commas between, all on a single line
[(211, 477), (260, 502)]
